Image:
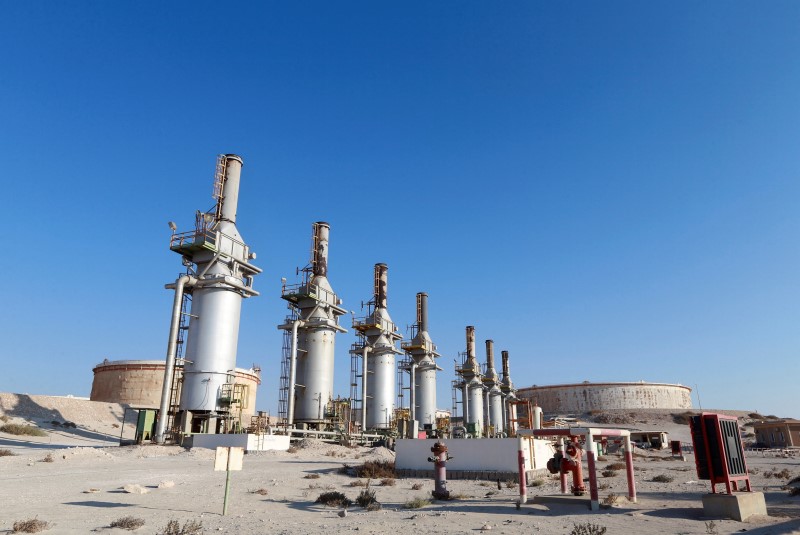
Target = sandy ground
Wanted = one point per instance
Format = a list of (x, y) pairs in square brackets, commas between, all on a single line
[(81, 491)]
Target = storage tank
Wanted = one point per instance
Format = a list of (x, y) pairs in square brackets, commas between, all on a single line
[(586, 396), (138, 383)]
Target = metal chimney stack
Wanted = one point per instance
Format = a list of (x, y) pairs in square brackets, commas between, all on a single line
[(219, 276), (510, 395), (423, 367), (311, 327), (494, 396), (378, 336), (472, 386)]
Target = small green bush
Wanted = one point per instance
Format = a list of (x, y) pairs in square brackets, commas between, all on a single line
[(19, 429), (587, 529)]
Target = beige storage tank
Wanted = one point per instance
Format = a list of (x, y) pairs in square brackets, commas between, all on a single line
[(138, 383), (586, 396)]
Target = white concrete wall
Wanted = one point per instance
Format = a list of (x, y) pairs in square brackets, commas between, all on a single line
[(490, 454), (248, 441)]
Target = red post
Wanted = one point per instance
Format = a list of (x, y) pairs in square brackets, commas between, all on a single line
[(523, 486), (629, 470), (439, 461), (594, 505)]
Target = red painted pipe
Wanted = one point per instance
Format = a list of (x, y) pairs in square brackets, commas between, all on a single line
[(523, 486)]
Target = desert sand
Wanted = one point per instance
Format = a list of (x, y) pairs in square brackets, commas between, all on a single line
[(79, 481)]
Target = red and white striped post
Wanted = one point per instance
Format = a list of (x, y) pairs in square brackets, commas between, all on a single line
[(523, 484), (629, 469), (591, 450), (562, 473)]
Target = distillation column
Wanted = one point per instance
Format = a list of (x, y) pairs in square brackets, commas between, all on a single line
[(472, 388), (494, 396), (510, 395), (314, 321), (378, 336), (220, 276), (423, 367)]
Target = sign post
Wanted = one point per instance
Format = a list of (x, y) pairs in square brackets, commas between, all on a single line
[(228, 460)]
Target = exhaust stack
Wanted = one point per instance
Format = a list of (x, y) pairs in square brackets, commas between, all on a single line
[(494, 396), (310, 328), (422, 368), (220, 276), (376, 345)]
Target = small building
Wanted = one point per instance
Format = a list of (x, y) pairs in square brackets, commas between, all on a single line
[(652, 439), (784, 433)]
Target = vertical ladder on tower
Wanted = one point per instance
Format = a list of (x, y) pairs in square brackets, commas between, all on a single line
[(284, 391), (177, 376), (219, 183), (356, 376)]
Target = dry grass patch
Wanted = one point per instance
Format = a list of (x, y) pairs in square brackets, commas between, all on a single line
[(416, 503), (367, 500), (376, 470), (292, 449), (609, 473), (334, 499), (663, 478), (416, 486), (388, 482), (20, 430), (262, 491), (128, 522), (311, 476), (190, 527), (48, 458), (34, 525), (538, 482), (616, 466), (358, 483), (6, 453)]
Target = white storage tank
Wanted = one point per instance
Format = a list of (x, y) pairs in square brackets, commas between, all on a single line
[(586, 396)]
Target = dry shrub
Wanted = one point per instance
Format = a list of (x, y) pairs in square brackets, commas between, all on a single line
[(19, 429), (190, 527), (485, 484), (333, 499), (388, 482), (34, 525), (416, 503), (293, 449), (128, 522), (367, 500), (682, 417), (358, 483), (616, 466), (311, 476), (538, 482), (48, 458), (511, 483), (603, 486), (6, 453), (587, 529), (783, 474), (376, 470), (416, 486), (262, 491), (663, 478), (611, 499), (4, 419), (609, 473)]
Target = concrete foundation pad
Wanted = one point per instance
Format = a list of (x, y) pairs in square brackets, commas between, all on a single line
[(562, 499), (738, 506)]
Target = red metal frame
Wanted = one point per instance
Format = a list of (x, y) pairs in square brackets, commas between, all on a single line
[(730, 481)]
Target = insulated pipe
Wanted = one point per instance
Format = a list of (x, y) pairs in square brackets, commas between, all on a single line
[(523, 486), (381, 283), (364, 352), (629, 469), (594, 504), (293, 372), (413, 393), (172, 350), (562, 473), (490, 358), (230, 190), (319, 262), (422, 311), (471, 344)]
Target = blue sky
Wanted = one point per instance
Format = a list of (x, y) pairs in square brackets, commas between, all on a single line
[(609, 191)]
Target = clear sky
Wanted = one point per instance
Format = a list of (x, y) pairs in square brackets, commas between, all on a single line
[(608, 190)]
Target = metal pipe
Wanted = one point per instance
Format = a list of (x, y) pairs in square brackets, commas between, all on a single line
[(172, 350), (471, 343), (293, 372), (381, 283), (364, 352), (319, 262), (490, 358), (629, 469), (413, 393), (230, 190), (422, 311)]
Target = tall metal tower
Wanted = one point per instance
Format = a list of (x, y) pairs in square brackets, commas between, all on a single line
[(494, 395), (471, 387), (313, 323), (422, 368)]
